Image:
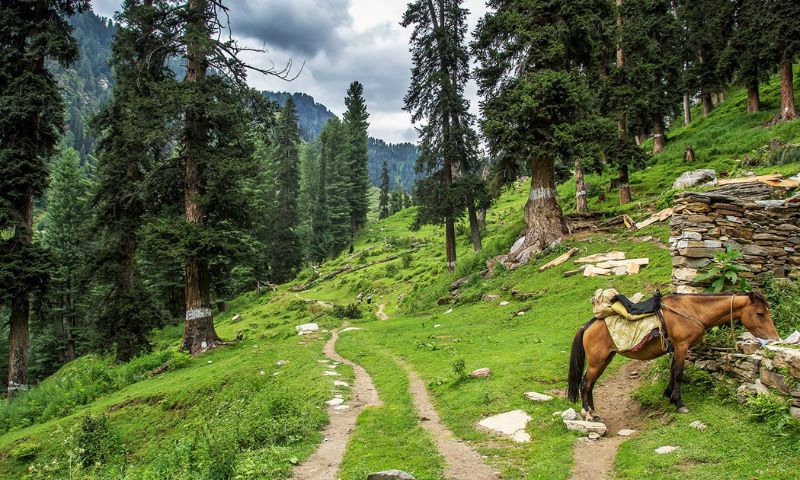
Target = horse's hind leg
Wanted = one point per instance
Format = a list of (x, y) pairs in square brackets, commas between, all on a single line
[(596, 368)]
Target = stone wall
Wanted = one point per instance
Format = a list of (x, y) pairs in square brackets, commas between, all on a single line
[(756, 369), (703, 224)]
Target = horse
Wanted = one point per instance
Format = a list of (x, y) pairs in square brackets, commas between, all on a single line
[(685, 318)]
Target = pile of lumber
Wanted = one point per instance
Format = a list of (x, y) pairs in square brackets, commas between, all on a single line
[(603, 264), (773, 180)]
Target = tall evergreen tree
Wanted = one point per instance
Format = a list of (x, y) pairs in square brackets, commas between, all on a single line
[(67, 237), (355, 123), (748, 52), (397, 201), (286, 255), (533, 61), (31, 120), (448, 144), (132, 140), (784, 40), (384, 200), (337, 169), (321, 240)]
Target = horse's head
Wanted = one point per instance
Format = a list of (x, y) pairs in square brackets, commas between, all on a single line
[(757, 319)]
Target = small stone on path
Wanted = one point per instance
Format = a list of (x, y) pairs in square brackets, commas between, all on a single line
[(306, 328), (594, 436), (665, 449), (281, 363), (481, 373), (511, 424), (341, 407), (568, 414), (391, 475), (538, 397), (698, 425), (626, 432), (330, 373), (340, 383), (586, 427), (503, 303), (335, 402), (491, 297)]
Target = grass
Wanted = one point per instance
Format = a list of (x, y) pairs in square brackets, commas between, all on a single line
[(234, 414)]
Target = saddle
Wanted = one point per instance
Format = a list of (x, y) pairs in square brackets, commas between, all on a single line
[(631, 324)]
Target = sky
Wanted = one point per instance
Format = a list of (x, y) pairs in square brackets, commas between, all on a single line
[(339, 41)]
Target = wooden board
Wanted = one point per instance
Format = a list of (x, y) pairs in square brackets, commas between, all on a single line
[(559, 260), (601, 257)]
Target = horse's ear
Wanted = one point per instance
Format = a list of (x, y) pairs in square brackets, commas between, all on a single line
[(757, 297)]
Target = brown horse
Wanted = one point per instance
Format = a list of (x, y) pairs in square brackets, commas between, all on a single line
[(686, 318)]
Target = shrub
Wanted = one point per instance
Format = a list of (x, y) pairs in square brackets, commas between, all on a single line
[(350, 311), (723, 273), (96, 442), (24, 451), (406, 260), (391, 270), (460, 369)]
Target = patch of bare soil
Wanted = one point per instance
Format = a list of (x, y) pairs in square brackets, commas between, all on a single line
[(380, 314), (325, 461), (594, 459), (462, 462)]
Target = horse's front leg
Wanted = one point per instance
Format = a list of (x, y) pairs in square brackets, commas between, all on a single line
[(676, 377)]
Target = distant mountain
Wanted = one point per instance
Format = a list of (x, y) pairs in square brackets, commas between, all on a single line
[(86, 84), (400, 157)]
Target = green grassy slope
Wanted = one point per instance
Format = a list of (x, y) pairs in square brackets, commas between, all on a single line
[(235, 413)]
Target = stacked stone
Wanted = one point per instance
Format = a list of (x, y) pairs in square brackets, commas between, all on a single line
[(767, 232), (772, 369)]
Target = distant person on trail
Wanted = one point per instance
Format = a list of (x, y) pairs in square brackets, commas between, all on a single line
[(360, 297), (369, 299)]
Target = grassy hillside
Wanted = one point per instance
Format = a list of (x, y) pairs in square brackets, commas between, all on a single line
[(240, 412)]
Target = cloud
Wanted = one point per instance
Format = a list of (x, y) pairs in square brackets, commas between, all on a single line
[(305, 27)]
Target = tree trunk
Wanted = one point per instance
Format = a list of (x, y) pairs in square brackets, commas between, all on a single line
[(482, 218), (753, 98), (714, 99), (721, 97), (624, 186), (788, 109), (707, 105), (474, 228), (659, 140), (198, 334), (581, 204), (542, 214), (19, 334), (687, 109)]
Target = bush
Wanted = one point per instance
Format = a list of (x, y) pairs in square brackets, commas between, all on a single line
[(25, 451), (96, 442), (391, 270), (350, 311)]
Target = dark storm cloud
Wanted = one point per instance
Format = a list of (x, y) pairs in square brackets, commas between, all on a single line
[(304, 27)]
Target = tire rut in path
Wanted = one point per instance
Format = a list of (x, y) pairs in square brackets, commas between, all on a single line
[(462, 462), (324, 463), (594, 460)]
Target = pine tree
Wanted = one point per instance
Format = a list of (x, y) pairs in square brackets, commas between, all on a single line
[(749, 49), (784, 38), (448, 144), (355, 126), (321, 241), (538, 104), (396, 201), (31, 120), (67, 237), (286, 254), (337, 168), (384, 200), (132, 140)]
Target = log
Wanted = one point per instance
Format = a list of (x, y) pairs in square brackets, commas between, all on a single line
[(559, 260)]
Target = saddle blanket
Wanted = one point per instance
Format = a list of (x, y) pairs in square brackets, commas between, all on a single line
[(632, 335)]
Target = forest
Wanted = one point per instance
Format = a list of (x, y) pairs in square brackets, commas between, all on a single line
[(158, 214)]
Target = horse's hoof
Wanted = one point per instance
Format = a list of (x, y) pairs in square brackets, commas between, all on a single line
[(683, 410)]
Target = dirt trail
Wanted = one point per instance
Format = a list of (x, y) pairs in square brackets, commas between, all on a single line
[(462, 462), (380, 314), (324, 462), (594, 460)]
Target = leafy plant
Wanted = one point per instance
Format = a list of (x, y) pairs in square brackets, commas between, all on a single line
[(724, 273), (350, 311), (460, 369)]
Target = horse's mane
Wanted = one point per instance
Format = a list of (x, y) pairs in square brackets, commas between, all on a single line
[(755, 296)]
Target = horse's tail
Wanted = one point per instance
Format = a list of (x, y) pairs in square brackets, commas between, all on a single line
[(577, 360)]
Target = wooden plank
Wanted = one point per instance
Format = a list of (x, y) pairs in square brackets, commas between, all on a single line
[(601, 257), (759, 178), (559, 260), (623, 263), (592, 271)]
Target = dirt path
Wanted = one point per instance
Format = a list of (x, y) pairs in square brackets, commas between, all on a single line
[(462, 462), (594, 460), (380, 314), (324, 462)]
